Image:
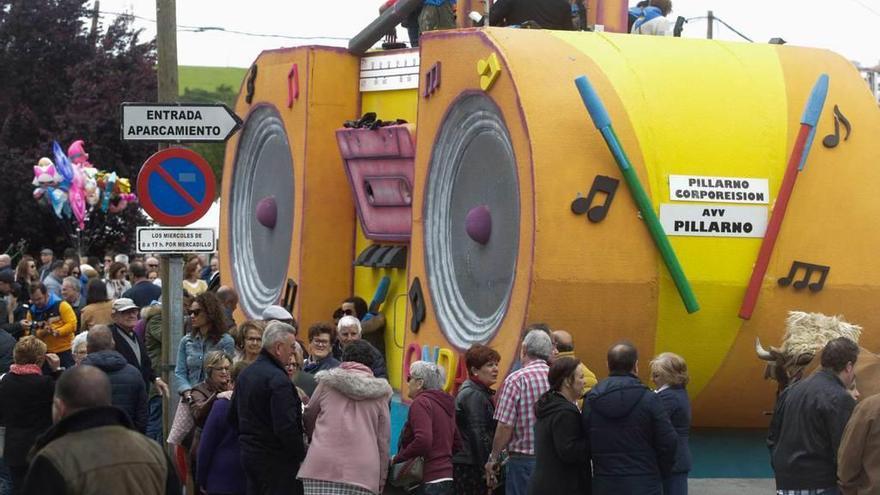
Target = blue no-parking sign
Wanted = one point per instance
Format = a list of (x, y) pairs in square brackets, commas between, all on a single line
[(176, 186)]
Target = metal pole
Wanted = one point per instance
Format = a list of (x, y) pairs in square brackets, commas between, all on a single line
[(171, 266), (711, 22), (386, 21)]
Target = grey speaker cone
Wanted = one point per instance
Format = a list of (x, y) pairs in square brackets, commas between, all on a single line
[(263, 167), (472, 165)]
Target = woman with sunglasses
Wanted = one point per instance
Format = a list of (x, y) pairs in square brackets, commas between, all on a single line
[(116, 282), (208, 334)]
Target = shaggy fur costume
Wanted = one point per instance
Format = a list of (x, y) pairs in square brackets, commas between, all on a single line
[(807, 333)]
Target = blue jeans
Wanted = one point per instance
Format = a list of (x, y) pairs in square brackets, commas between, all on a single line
[(519, 471), (5, 479), (154, 420)]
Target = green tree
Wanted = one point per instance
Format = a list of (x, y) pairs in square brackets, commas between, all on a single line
[(58, 82)]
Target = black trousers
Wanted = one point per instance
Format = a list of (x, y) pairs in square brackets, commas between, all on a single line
[(269, 477)]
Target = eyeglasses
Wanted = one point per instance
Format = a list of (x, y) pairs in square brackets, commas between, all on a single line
[(152, 266), (195, 312), (254, 339), (347, 312), (222, 368), (293, 366), (321, 342)]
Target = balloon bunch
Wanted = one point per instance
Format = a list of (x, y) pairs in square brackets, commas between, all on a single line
[(70, 185)]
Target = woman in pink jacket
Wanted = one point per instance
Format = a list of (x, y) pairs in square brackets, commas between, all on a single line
[(350, 426)]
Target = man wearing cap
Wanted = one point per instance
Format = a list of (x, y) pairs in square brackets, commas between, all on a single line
[(125, 316), (278, 313), (46, 258), (142, 291)]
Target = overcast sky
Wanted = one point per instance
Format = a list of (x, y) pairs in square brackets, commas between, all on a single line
[(848, 27)]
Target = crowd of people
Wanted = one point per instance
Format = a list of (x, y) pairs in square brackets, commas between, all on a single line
[(262, 410)]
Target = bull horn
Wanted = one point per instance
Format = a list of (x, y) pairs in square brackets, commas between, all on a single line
[(762, 353)]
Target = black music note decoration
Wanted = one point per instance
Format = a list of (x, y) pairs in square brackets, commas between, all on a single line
[(432, 80), (251, 84), (417, 301), (596, 214), (832, 140), (809, 268)]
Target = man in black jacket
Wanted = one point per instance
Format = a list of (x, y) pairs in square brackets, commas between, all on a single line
[(129, 390), (125, 315), (632, 442), (268, 413), (809, 420), (142, 291)]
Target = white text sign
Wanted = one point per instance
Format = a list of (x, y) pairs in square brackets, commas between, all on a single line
[(713, 221), (168, 240), (178, 123), (718, 189)]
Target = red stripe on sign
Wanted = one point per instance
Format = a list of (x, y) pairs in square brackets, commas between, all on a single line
[(177, 187)]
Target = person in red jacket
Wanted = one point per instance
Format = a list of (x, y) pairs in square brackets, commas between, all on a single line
[(430, 430)]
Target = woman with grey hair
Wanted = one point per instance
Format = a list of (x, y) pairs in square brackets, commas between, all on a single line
[(670, 373), (79, 347), (429, 431)]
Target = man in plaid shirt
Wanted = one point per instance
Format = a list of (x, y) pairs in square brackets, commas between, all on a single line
[(515, 413)]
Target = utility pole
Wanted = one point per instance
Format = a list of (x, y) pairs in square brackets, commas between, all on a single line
[(711, 23), (96, 13), (171, 265)]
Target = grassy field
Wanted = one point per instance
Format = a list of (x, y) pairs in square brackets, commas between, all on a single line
[(209, 78)]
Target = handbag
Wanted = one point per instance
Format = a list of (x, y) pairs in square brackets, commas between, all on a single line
[(182, 424), (407, 473)]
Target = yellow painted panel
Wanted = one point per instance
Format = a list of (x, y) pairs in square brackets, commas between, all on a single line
[(697, 129)]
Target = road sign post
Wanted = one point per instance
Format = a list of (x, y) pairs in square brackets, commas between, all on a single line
[(182, 122), (176, 186)]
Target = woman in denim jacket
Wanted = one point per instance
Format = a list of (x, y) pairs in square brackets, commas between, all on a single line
[(208, 334)]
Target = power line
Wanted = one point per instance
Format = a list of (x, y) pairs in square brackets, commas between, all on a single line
[(205, 29), (728, 26), (866, 7)]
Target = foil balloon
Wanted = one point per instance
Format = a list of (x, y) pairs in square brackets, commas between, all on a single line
[(109, 183), (90, 185)]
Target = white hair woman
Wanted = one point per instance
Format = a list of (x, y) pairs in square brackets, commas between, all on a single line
[(79, 347), (669, 372), (429, 431), (349, 330)]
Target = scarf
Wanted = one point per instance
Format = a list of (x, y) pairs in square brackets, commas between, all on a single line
[(25, 369)]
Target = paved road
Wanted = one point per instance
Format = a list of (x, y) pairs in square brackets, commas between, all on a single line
[(731, 486)]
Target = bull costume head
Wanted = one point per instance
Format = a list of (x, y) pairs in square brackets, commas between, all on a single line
[(805, 336)]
